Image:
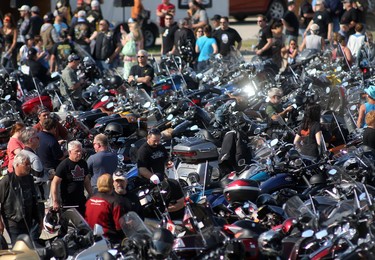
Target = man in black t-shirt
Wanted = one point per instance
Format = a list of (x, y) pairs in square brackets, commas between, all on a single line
[(72, 176), (305, 14), (349, 18), (264, 47), (168, 33), (60, 53), (290, 22), (142, 74), (36, 69), (184, 40), (152, 158), (227, 37), (323, 19)]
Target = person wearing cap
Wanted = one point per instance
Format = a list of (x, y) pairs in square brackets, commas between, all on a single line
[(168, 33), (36, 21), (60, 52), (323, 19), (94, 15), (70, 86), (290, 22), (305, 15), (365, 108), (215, 22), (142, 74), (349, 18), (36, 69), (81, 31), (61, 133), (48, 32), (103, 209), (103, 161), (227, 38), (128, 201), (369, 132), (106, 48), (71, 180), (274, 108), (23, 53), (24, 25), (313, 40), (164, 8)]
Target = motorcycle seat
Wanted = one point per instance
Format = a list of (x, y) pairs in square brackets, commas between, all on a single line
[(208, 137), (26, 239)]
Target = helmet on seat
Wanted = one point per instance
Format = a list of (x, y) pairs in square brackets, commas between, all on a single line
[(113, 129), (115, 81), (51, 221)]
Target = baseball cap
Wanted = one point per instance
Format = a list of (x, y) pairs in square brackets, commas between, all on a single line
[(31, 52), (319, 2), (24, 8), (95, 3), (118, 175), (370, 91), (29, 37), (290, 2), (314, 27), (81, 13), (216, 17), (73, 57), (42, 110), (49, 17), (35, 9)]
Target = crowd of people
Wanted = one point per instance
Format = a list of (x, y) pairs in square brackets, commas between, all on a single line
[(42, 177), (95, 186)]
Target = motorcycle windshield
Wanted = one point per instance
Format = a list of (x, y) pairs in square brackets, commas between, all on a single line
[(295, 208), (71, 217), (139, 96), (132, 224)]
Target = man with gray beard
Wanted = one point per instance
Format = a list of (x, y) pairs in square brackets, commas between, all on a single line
[(128, 201)]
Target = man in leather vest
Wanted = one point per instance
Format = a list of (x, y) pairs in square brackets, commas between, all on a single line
[(18, 199), (48, 32), (106, 47)]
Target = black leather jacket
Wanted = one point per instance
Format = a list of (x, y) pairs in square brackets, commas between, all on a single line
[(17, 202)]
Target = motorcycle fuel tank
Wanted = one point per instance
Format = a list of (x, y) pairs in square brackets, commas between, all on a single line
[(241, 190)]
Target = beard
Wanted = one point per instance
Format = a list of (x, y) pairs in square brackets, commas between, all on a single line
[(120, 190)]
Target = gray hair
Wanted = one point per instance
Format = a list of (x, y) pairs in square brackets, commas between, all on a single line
[(20, 158), (143, 52), (102, 139), (73, 144), (27, 133)]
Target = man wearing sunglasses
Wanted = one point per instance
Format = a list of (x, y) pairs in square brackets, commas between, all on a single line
[(274, 108), (142, 74)]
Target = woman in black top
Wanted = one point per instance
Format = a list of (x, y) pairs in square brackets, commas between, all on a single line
[(369, 133), (309, 137)]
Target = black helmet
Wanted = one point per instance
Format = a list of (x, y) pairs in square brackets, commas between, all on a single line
[(51, 221), (269, 243), (115, 81), (113, 129), (162, 242), (317, 179), (265, 199)]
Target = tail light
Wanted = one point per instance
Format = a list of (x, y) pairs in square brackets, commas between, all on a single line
[(166, 87), (185, 154)]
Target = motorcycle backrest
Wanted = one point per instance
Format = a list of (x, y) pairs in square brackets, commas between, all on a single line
[(23, 243)]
